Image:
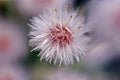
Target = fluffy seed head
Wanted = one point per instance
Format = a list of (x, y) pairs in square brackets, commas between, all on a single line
[(59, 34)]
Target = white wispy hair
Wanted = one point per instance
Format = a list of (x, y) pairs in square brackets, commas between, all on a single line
[(59, 34)]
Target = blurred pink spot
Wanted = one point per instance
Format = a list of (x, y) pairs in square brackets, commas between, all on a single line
[(4, 42), (6, 78), (116, 20)]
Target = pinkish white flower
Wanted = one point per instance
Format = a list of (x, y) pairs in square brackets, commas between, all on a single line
[(59, 34)]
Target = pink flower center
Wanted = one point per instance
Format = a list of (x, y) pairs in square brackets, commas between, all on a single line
[(61, 36)]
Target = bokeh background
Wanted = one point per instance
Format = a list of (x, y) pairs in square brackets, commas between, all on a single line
[(18, 62)]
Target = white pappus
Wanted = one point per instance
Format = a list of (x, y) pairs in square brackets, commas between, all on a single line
[(59, 34)]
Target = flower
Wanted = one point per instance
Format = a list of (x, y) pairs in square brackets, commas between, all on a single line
[(12, 73), (33, 7), (59, 34), (12, 42)]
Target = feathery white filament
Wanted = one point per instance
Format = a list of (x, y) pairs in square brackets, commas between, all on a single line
[(59, 34)]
